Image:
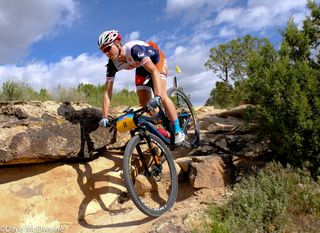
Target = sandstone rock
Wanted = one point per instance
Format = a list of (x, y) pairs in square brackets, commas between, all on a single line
[(59, 195), (238, 111), (170, 227), (209, 172), (144, 184), (41, 131), (84, 197), (184, 163), (216, 124), (165, 168)]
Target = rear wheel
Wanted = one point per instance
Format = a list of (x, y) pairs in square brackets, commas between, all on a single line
[(187, 120), (153, 187)]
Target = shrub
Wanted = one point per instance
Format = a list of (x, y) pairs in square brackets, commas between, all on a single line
[(92, 94), (12, 90), (276, 200), (125, 97), (220, 96), (285, 86), (63, 94)]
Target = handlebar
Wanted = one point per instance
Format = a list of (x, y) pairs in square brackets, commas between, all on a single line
[(140, 111)]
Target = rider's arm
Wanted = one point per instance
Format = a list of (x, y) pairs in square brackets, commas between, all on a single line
[(107, 95), (155, 74)]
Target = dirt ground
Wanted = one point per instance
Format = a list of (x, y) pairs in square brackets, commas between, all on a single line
[(84, 197), (187, 213)]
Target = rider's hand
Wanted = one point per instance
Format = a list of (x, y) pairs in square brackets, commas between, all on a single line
[(154, 103), (104, 122)]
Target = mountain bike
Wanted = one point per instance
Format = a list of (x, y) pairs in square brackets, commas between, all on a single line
[(147, 159)]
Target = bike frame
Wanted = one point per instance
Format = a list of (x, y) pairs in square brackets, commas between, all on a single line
[(147, 123)]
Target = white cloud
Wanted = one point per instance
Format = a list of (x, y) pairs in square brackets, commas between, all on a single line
[(68, 72), (278, 6), (198, 86), (228, 15), (179, 51), (134, 36), (259, 14), (194, 11), (178, 6), (195, 79), (254, 16), (25, 22), (207, 22), (181, 5), (226, 32)]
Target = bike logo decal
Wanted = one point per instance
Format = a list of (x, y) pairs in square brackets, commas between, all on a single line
[(141, 54)]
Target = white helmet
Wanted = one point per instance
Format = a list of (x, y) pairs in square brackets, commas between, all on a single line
[(107, 38)]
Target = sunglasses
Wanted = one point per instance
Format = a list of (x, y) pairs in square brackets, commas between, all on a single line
[(107, 49)]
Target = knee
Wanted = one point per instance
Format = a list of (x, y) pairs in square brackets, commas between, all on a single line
[(143, 102)]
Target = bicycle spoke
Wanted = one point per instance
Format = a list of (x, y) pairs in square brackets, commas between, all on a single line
[(186, 116), (152, 187)]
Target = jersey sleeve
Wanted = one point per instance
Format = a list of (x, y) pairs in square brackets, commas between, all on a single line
[(111, 70), (140, 53)]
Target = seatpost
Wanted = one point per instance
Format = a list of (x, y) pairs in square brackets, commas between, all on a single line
[(175, 82)]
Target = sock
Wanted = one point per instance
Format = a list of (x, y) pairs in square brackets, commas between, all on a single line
[(176, 126)]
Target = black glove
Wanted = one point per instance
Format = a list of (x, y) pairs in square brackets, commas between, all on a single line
[(154, 103)]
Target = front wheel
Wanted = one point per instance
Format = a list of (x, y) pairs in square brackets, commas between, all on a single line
[(152, 183), (186, 116)]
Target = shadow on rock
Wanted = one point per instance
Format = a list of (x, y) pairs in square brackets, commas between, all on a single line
[(21, 171), (92, 143), (90, 185)]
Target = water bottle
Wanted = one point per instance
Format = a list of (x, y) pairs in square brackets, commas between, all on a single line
[(164, 132)]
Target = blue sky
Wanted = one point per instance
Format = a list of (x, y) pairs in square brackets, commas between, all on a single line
[(50, 42)]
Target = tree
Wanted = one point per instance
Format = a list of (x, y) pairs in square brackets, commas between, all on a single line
[(229, 62), (285, 86), (219, 95), (44, 94)]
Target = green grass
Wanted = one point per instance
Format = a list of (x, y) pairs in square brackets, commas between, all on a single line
[(13, 91), (276, 200), (124, 98)]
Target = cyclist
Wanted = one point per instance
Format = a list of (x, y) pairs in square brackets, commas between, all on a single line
[(151, 74)]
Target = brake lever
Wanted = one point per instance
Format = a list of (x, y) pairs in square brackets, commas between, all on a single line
[(127, 110)]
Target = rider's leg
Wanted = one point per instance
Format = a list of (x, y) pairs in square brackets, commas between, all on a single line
[(167, 102), (171, 112), (143, 86), (144, 91), (144, 95)]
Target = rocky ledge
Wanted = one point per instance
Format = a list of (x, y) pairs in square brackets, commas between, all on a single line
[(32, 132), (91, 196)]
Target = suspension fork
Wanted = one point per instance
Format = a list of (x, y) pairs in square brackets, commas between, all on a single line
[(153, 149)]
